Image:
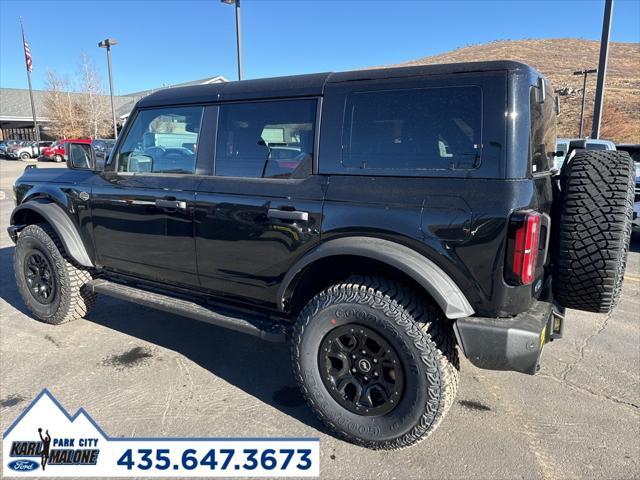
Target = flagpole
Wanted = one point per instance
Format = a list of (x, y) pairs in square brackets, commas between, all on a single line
[(33, 107)]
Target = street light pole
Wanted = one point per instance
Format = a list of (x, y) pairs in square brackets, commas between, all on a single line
[(107, 44), (602, 68), (238, 34), (584, 73)]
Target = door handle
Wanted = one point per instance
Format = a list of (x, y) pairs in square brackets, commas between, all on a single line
[(161, 203), (288, 214)]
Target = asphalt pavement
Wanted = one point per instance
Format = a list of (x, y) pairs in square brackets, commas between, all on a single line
[(141, 372)]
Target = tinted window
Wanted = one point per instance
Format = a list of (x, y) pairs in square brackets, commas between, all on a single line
[(543, 132), (162, 140), (416, 129), (266, 139)]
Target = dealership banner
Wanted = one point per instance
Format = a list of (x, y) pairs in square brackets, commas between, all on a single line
[(45, 441)]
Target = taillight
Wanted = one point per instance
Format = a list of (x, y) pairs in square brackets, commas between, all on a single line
[(522, 249)]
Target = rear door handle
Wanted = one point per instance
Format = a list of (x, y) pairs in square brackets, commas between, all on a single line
[(288, 214), (161, 203)]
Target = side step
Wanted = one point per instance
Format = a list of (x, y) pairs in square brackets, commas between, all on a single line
[(265, 329)]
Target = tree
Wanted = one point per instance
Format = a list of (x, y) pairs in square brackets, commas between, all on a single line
[(78, 112), (93, 102), (60, 106)]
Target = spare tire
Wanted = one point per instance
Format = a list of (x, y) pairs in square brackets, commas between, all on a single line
[(594, 229)]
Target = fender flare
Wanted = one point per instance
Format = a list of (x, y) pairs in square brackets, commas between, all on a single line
[(425, 272), (63, 226)]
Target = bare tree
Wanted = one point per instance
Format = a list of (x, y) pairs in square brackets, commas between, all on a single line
[(81, 109), (60, 107), (93, 102)]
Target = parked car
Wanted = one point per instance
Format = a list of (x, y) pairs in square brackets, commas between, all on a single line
[(562, 147), (27, 150), (13, 147), (634, 151), (102, 149), (406, 220), (5, 145), (56, 152)]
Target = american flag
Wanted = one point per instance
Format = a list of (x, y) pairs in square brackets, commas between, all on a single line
[(27, 55)]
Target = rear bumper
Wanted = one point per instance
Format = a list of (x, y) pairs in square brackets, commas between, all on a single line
[(513, 344)]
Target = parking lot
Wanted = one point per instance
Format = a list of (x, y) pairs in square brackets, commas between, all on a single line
[(141, 372)]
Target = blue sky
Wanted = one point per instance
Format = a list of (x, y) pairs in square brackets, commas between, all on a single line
[(168, 42)]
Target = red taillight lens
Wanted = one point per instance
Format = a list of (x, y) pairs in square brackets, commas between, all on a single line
[(524, 249)]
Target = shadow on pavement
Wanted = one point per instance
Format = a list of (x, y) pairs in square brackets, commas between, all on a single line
[(260, 368), (8, 291)]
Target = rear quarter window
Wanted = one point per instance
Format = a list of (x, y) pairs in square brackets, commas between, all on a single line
[(419, 129)]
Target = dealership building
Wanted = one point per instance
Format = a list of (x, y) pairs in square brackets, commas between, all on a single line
[(16, 120)]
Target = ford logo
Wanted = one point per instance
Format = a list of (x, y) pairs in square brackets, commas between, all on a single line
[(23, 465)]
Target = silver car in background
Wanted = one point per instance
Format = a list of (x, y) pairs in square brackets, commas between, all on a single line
[(26, 150), (562, 147)]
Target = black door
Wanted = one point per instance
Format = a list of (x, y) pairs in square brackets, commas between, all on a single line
[(262, 210), (142, 207)]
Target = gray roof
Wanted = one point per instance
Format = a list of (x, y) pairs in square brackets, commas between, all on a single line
[(16, 106)]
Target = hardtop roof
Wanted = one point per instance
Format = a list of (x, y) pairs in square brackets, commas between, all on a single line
[(312, 84)]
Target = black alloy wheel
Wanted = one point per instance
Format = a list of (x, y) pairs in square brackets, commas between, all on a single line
[(39, 276), (361, 370)]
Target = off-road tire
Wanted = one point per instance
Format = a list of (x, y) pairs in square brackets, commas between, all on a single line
[(417, 330), (594, 230), (71, 299)]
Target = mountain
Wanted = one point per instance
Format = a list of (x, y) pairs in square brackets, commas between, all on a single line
[(557, 59)]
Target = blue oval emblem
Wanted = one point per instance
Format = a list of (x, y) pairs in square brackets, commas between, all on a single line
[(23, 465)]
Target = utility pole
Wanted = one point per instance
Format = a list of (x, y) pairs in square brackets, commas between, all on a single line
[(602, 68), (238, 34), (584, 73), (108, 43)]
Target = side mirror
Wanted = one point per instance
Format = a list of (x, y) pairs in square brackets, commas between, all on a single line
[(80, 156)]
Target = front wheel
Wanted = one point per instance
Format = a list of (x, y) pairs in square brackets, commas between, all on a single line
[(50, 284), (376, 361), (58, 159), (25, 156)]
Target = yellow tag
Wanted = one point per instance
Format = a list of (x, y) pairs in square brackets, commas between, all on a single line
[(542, 337)]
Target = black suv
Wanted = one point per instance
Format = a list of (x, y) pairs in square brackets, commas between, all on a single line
[(379, 220)]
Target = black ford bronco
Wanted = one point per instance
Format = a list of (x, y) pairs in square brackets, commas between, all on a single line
[(382, 221)]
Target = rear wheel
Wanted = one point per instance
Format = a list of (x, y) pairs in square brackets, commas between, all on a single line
[(596, 207), (58, 159), (376, 362), (50, 284), (25, 156)]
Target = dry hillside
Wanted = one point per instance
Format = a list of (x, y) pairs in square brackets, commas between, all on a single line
[(558, 59)]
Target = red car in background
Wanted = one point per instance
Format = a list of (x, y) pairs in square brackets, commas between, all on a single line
[(56, 152)]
